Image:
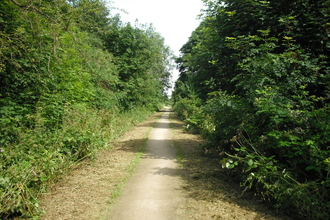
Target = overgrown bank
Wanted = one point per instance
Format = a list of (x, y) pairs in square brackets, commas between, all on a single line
[(40, 157), (209, 192), (254, 81), (72, 78), (88, 190)]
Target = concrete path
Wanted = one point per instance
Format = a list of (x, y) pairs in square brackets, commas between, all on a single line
[(153, 192)]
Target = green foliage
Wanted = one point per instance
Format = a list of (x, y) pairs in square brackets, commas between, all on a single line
[(264, 84), (39, 156), (143, 64), (71, 78)]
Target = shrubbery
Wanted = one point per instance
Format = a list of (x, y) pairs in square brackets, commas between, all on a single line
[(265, 98), (72, 77), (39, 156)]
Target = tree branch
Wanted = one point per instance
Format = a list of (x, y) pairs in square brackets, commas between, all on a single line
[(26, 7)]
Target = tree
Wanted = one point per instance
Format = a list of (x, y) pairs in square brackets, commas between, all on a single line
[(67, 72), (143, 63), (262, 71)]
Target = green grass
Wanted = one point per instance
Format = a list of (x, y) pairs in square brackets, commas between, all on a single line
[(179, 152), (131, 168), (130, 171), (41, 156)]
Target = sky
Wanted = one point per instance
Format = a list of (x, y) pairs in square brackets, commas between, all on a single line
[(175, 20)]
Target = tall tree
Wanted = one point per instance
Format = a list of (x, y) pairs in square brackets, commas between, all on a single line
[(262, 71)]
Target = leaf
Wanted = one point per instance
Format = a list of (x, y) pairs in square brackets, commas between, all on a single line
[(250, 162), (310, 168), (223, 162), (231, 166)]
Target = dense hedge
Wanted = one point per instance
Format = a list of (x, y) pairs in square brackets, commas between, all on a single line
[(72, 77), (255, 81)]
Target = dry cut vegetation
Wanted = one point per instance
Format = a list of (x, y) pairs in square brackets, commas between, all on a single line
[(212, 194), (88, 190)]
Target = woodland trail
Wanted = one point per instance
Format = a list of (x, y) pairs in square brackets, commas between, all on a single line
[(154, 191), (174, 183)]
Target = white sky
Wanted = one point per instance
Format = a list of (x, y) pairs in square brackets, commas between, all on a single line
[(173, 19)]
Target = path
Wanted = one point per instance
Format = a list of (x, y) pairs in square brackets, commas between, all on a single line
[(154, 191), (198, 190)]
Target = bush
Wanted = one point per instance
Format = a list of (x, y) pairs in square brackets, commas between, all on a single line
[(39, 155)]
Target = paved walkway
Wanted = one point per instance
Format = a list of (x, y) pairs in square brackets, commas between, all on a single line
[(153, 192)]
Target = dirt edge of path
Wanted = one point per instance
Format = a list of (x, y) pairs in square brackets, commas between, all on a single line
[(87, 191), (210, 194)]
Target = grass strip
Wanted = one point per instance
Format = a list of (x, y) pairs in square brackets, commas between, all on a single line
[(131, 168), (179, 152)]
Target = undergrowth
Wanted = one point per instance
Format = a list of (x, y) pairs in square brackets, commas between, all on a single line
[(286, 167), (39, 156)]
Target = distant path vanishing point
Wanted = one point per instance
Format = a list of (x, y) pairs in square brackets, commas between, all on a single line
[(153, 192)]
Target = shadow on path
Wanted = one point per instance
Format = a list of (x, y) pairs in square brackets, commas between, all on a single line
[(206, 187)]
